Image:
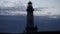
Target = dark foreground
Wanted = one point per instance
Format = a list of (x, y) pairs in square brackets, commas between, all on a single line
[(16, 24)]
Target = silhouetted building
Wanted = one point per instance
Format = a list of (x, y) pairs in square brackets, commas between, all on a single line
[(30, 28)]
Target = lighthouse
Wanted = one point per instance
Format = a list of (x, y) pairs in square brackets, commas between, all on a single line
[(30, 28)]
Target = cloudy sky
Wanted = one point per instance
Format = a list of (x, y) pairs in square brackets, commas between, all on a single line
[(53, 6), (51, 9), (37, 3)]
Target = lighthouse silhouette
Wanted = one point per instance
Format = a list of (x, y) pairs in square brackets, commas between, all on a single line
[(30, 28)]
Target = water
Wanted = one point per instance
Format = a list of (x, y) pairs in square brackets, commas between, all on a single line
[(17, 23)]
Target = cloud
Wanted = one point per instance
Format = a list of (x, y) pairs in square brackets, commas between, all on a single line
[(52, 11), (10, 3)]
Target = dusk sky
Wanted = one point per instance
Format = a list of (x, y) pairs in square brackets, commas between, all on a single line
[(53, 6), (38, 3)]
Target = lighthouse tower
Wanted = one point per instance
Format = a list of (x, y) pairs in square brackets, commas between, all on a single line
[(30, 28)]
